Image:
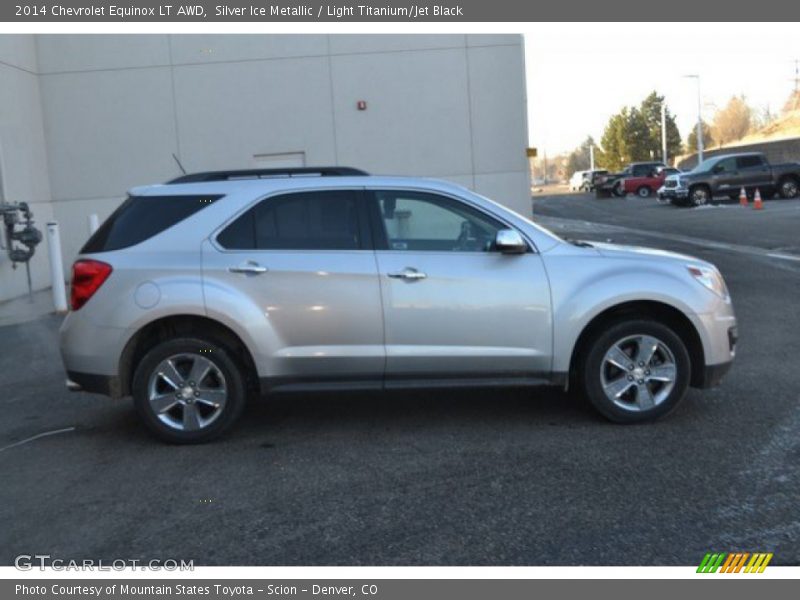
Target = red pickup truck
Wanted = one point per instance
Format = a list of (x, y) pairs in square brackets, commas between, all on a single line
[(644, 187)]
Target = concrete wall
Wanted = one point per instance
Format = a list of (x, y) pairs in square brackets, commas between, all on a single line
[(777, 151), (23, 158), (116, 107)]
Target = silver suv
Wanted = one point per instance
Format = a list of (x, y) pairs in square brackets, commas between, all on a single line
[(216, 287)]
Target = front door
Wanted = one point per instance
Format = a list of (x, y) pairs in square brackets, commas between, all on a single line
[(453, 306)]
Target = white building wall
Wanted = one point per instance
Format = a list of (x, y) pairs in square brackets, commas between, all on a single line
[(23, 159), (116, 107)]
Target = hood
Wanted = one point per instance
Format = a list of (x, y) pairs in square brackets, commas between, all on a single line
[(620, 251)]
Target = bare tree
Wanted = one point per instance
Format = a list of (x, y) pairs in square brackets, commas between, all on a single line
[(732, 122)]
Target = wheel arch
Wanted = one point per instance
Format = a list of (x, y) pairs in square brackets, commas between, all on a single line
[(664, 313), (181, 325)]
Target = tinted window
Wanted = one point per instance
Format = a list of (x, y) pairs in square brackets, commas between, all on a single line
[(748, 162), (727, 165), (419, 221), (141, 217), (326, 220)]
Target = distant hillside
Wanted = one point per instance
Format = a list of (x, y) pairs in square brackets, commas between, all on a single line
[(782, 128)]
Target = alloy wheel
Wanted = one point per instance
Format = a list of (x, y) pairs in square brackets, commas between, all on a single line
[(187, 392), (638, 373)]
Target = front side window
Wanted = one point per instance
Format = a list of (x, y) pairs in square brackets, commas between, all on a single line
[(727, 165), (319, 220), (420, 221)]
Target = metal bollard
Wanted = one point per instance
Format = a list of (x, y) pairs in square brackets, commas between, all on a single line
[(94, 223), (56, 268)]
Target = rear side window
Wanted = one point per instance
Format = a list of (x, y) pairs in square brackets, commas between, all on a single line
[(749, 162), (141, 217), (323, 220)]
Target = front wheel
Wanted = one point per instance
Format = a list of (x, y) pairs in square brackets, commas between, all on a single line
[(700, 196), (619, 191), (644, 192), (188, 390), (635, 371)]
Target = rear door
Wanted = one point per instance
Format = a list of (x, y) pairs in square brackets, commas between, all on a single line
[(298, 272), (453, 306), (754, 172)]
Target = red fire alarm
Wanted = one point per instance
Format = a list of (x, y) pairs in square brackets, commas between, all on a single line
[(361, 105)]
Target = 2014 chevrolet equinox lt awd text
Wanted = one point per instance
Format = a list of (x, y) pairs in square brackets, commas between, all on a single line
[(198, 294)]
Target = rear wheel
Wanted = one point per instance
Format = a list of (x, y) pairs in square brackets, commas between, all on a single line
[(188, 390), (619, 190), (644, 192), (635, 371), (788, 188)]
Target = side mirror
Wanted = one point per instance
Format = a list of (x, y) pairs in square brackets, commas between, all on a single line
[(509, 241)]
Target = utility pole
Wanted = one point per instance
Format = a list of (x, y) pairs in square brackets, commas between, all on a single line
[(664, 132), (699, 119), (545, 165)]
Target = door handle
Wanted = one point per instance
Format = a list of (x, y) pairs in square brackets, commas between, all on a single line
[(250, 268), (408, 274)]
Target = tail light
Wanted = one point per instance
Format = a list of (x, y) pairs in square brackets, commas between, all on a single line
[(87, 277)]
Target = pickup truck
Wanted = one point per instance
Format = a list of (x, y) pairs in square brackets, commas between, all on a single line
[(646, 186), (610, 183), (727, 174)]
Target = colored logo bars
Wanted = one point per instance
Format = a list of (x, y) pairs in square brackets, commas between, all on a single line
[(734, 562)]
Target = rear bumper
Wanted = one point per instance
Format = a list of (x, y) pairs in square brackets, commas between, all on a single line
[(93, 383)]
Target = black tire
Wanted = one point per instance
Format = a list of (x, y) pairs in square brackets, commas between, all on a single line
[(591, 365), (700, 196), (789, 187), (644, 192), (619, 191), (233, 384)]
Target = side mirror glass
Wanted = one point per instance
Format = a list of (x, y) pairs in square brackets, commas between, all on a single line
[(509, 241)]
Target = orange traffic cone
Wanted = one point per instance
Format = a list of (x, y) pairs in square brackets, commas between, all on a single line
[(742, 198), (757, 203)]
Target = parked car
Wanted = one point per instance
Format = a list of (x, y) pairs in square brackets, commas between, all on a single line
[(216, 287), (727, 174), (577, 181), (648, 185), (606, 185), (583, 181)]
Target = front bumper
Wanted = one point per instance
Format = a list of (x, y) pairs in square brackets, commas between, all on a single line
[(675, 195), (713, 374)]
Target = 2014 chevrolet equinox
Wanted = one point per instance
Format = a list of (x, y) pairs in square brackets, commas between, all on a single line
[(197, 294)]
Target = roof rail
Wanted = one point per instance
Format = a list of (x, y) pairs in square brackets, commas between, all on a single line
[(268, 173)]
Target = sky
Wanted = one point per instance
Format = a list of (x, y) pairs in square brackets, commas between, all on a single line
[(580, 74)]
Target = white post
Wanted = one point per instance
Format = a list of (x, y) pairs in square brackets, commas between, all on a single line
[(56, 268), (94, 223), (591, 157)]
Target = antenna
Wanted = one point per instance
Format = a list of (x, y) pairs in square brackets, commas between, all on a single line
[(179, 163)]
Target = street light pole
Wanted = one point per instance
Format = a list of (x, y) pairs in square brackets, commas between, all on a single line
[(664, 132), (699, 120)]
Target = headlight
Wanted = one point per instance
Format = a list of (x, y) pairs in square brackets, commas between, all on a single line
[(710, 278)]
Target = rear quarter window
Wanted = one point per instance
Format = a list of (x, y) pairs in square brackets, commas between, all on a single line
[(141, 217)]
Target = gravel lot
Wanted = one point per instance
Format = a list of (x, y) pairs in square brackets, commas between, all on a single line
[(492, 477)]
